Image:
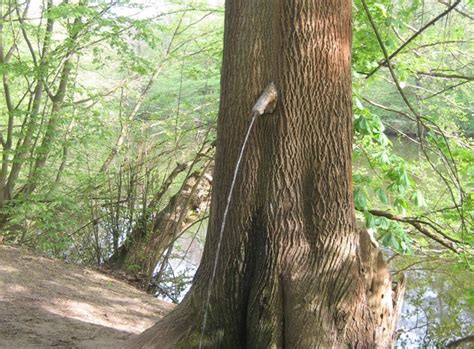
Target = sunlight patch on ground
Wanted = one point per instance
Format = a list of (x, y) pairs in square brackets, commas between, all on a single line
[(7, 269), (98, 315), (16, 289), (48, 303)]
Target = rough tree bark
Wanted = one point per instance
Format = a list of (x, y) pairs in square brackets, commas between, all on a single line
[(294, 271)]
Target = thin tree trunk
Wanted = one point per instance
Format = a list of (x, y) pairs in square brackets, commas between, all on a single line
[(23, 145), (148, 241), (57, 105), (140, 229), (293, 270)]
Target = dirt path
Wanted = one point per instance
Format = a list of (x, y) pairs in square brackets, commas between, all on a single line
[(46, 303)]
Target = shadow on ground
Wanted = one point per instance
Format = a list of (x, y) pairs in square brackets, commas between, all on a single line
[(25, 326), (46, 303)]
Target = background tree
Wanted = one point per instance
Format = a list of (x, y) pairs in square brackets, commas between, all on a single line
[(73, 123), (137, 123)]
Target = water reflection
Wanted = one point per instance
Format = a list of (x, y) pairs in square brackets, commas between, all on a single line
[(436, 307)]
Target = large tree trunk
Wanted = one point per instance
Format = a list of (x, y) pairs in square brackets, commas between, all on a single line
[(293, 271)]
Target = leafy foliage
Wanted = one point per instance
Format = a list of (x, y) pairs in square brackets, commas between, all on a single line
[(101, 100)]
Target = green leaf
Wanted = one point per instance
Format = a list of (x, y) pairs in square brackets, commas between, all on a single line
[(418, 199), (470, 296), (382, 8), (358, 103), (370, 220), (360, 199), (362, 126), (382, 196), (383, 223), (384, 158)]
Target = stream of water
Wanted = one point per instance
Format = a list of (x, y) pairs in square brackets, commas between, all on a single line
[(224, 221)]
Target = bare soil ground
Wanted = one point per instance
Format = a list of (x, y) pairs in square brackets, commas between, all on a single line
[(46, 303)]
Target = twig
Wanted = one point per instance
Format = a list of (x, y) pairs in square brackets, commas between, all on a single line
[(462, 13), (456, 343), (414, 36), (445, 89), (417, 225), (452, 168), (446, 76)]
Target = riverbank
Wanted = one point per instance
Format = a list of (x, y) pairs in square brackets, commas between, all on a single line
[(47, 303)]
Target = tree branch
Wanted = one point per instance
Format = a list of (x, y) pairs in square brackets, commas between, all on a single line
[(462, 13), (57, 104), (457, 342), (417, 225), (445, 42), (413, 37), (446, 76), (35, 102), (449, 163), (267, 101), (23, 30), (445, 89), (141, 99)]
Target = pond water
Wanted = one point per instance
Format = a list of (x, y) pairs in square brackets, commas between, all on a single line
[(436, 307)]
